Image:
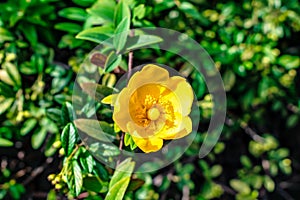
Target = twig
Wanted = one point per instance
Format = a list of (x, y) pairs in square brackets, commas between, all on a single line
[(130, 57), (227, 189), (246, 128), (121, 141), (185, 193), (37, 171), (251, 132), (292, 108)]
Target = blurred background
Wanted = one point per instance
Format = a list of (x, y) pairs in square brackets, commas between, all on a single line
[(255, 44)]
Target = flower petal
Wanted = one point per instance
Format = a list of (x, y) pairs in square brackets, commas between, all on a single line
[(184, 93), (121, 110), (148, 145), (182, 130), (149, 74)]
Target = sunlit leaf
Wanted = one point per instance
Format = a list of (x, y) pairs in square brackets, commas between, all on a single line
[(103, 9), (122, 11), (5, 142), (28, 126), (5, 104), (38, 137), (96, 34), (141, 41), (68, 138), (121, 34), (78, 179), (120, 180), (240, 186), (68, 27), (73, 13)]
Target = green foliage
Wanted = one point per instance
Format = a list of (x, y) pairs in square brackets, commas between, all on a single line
[(42, 45)]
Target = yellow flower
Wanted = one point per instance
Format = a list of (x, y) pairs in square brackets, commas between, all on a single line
[(154, 107)]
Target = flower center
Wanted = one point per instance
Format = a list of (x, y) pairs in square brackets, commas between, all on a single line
[(152, 106), (153, 114)]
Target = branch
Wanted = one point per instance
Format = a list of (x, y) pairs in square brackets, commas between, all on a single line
[(130, 57)]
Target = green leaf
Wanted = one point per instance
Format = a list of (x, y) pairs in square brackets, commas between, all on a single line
[(6, 90), (104, 149), (84, 3), (68, 27), (112, 62), (28, 126), (38, 137), (100, 171), (5, 143), (109, 149), (68, 138), (5, 35), (67, 114), (92, 183), (87, 161), (124, 169), (117, 192), (78, 179), (139, 11), (121, 34), (292, 121), (96, 91), (54, 114), (246, 161), (96, 34), (51, 195), (190, 10), (5, 104), (141, 41), (122, 11), (30, 33), (229, 80), (95, 129), (216, 171), (289, 62), (13, 73), (5, 78), (73, 13), (70, 41), (129, 141), (269, 184), (240, 186), (120, 180), (103, 9)]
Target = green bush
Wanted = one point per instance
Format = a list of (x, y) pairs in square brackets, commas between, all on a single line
[(43, 44)]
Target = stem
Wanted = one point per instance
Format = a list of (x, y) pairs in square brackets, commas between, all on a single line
[(130, 57), (121, 141)]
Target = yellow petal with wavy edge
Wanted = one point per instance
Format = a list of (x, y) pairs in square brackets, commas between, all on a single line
[(147, 145), (149, 74), (184, 93)]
